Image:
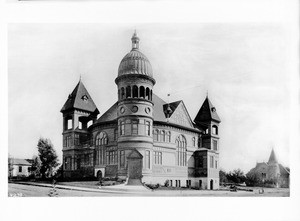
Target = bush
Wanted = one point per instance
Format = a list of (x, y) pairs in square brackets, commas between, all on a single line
[(167, 183)]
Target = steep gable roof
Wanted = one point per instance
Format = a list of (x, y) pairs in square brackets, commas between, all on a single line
[(80, 99), (179, 114), (110, 114), (207, 112), (272, 158)]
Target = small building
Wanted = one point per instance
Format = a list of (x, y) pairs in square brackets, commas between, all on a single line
[(272, 171), (18, 167)]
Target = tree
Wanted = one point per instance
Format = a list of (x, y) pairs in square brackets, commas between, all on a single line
[(222, 175), (36, 166), (252, 179), (47, 156), (237, 176)]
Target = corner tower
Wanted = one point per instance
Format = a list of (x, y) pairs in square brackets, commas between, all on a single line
[(207, 156), (79, 111), (135, 107)]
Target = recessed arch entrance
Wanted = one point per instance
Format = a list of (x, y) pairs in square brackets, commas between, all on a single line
[(211, 184)]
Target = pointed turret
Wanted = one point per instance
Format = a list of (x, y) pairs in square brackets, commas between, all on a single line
[(206, 113), (80, 99), (272, 158)]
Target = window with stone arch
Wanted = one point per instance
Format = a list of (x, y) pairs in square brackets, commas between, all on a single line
[(163, 136), (101, 139), (168, 136), (181, 150), (155, 135)]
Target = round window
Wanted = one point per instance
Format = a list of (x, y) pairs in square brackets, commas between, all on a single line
[(147, 110), (122, 110), (134, 109)]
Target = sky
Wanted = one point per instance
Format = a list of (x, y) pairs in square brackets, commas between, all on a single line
[(244, 68)]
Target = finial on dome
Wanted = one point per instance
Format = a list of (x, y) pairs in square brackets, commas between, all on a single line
[(135, 41)]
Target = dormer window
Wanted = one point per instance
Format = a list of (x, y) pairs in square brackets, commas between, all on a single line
[(85, 98), (213, 109)]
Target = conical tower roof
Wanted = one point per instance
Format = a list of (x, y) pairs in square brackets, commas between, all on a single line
[(80, 99), (207, 112), (272, 158)]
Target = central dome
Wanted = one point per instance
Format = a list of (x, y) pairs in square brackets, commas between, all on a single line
[(135, 62)]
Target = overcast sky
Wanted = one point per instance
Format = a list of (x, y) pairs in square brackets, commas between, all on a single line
[(244, 67)]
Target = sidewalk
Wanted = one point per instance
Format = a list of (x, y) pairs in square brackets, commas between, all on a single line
[(121, 189)]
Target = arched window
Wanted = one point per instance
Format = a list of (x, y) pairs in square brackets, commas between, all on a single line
[(135, 91), (181, 150), (142, 92), (151, 95), (155, 135), (163, 136), (122, 93), (101, 139), (147, 93), (168, 136), (215, 130), (128, 91)]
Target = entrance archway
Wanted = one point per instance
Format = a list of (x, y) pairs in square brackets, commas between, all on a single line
[(211, 184), (99, 175)]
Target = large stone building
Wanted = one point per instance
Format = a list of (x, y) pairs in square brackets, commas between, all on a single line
[(272, 171), (141, 137)]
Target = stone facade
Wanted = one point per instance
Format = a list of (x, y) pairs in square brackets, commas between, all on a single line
[(171, 146)]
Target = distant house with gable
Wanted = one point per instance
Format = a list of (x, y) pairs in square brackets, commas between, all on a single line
[(272, 171), (19, 167)]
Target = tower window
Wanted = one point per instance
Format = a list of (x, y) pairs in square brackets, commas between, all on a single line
[(122, 93), (122, 128), (135, 91), (215, 145), (147, 93), (148, 128), (194, 141), (70, 124), (134, 127), (77, 139), (128, 91), (215, 130), (142, 92)]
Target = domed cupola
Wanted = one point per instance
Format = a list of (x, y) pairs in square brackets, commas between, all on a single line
[(135, 62)]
